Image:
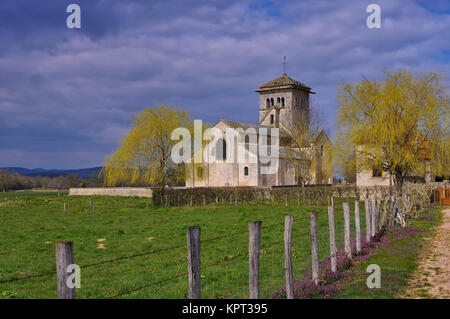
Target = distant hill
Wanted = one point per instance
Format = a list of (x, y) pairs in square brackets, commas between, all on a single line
[(83, 172)]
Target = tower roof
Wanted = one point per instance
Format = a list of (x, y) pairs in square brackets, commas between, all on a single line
[(284, 82)]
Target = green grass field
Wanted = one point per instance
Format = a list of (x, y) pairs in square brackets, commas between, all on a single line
[(397, 260), (31, 223)]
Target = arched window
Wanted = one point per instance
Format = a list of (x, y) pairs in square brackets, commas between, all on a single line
[(221, 149), (267, 103), (271, 102), (246, 171), (278, 101), (271, 118), (282, 101), (247, 140)]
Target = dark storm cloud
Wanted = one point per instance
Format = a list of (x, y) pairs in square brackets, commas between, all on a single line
[(67, 96)]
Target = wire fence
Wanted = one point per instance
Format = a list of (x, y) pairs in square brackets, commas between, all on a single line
[(232, 283), (219, 262), (224, 260), (122, 258)]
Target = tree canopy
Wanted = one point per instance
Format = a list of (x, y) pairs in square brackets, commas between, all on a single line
[(399, 124), (144, 155)]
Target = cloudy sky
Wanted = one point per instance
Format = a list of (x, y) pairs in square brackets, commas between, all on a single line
[(67, 96)]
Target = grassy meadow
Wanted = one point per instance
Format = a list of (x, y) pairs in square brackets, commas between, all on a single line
[(32, 222), (397, 260)]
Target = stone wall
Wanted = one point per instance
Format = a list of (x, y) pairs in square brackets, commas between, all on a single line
[(112, 191), (365, 178)]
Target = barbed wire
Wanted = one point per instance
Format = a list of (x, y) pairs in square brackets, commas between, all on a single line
[(28, 277), (129, 291), (237, 233), (169, 248), (132, 256), (118, 259)]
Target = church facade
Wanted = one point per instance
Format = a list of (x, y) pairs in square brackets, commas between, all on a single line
[(289, 154)]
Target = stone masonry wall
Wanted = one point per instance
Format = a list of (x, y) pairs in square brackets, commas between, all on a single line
[(112, 191)]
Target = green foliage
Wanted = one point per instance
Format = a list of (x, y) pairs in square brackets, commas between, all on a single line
[(144, 156), (318, 195), (345, 158), (398, 123), (14, 181)]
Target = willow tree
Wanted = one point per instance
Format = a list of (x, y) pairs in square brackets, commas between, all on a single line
[(398, 124), (144, 155), (345, 157)]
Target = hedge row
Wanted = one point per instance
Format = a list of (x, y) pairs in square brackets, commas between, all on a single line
[(318, 195), (209, 195)]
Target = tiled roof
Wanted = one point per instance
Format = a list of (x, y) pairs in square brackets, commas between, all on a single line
[(234, 124), (284, 80)]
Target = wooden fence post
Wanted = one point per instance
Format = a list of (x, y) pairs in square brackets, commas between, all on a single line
[(348, 248), (195, 281), (332, 239), (368, 220), (314, 248), (64, 206), (393, 210), (379, 211), (288, 221), (373, 214), (254, 230), (383, 214), (358, 228), (64, 258)]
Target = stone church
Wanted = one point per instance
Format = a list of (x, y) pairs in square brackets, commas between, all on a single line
[(284, 104)]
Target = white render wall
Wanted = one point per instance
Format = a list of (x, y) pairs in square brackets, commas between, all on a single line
[(365, 178)]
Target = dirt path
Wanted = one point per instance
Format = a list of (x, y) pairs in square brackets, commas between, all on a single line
[(432, 277)]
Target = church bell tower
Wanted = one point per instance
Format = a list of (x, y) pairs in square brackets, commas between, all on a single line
[(284, 103)]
